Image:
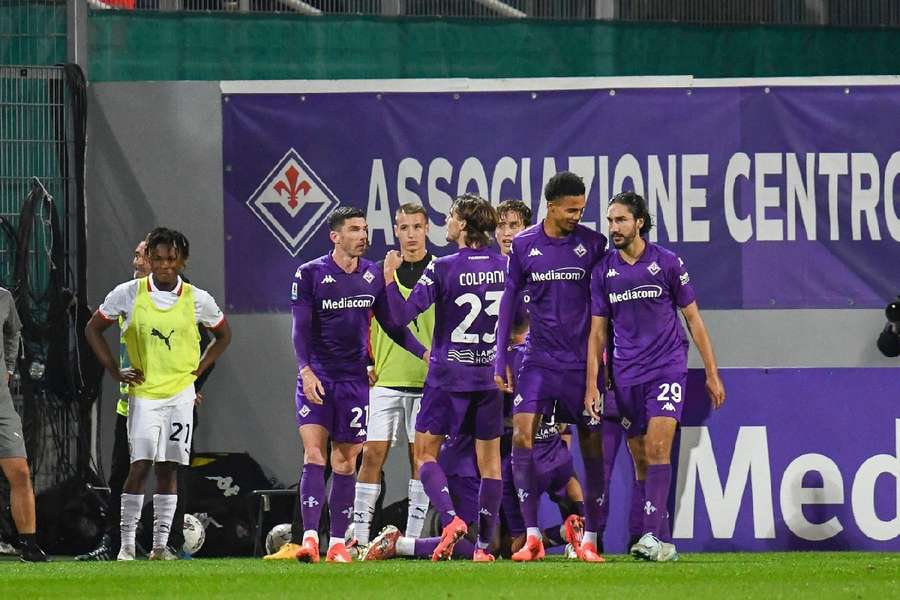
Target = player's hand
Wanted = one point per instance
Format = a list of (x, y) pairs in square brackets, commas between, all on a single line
[(593, 402), (392, 262), (504, 385), (716, 390), (129, 376), (198, 399), (373, 376), (426, 357), (312, 386)]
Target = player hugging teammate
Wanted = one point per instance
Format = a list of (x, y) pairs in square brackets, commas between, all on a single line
[(558, 283)]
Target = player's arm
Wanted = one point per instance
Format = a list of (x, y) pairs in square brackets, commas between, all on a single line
[(714, 386), (399, 333), (593, 396), (302, 312), (506, 319), (12, 327), (221, 338), (402, 311), (93, 333)]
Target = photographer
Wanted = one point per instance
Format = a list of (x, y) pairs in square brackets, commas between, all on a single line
[(889, 340)]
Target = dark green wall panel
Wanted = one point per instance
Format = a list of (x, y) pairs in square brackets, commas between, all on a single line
[(128, 46)]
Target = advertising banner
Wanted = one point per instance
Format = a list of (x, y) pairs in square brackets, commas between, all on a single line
[(782, 466), (775, 194)]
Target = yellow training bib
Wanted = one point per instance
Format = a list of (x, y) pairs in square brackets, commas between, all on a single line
[(163, 343)]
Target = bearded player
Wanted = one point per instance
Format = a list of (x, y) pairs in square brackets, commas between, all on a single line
[(333, 297), (638, 289)]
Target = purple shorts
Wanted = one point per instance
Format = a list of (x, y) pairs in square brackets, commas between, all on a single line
[(554, 465), (344, 412), (464, 495), (479, 414), (661, 397), (539, 390)]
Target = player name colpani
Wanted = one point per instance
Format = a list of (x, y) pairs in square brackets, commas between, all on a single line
[(362, 301), (481, 278), (566, 274), (639, 293)]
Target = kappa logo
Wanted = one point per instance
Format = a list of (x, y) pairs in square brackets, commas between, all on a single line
[(347, 512), (445, 490), (649, 508), (368, 276), (328, 279), (292, 202), (601, 499), (522, 494), (299, 273), (304, 410), (226, 484), (653, 268), (361, 433), (580, 250), (668, 406), (310, 501), (612, 273), (485, 512), (535, 252)]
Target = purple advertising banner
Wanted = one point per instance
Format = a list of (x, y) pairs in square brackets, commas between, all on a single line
[(774, 195), (797, 459)]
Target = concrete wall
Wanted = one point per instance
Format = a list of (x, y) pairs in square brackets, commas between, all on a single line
[(155, 158)]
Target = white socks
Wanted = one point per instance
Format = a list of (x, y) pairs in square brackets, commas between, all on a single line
[(364, 509), (163, 512), (418, 507), (406, 546), (589, 537), (311, 533), (534, 531), (131, 514)]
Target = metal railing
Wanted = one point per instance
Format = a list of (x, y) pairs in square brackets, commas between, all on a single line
[(32, 32), (851, 13)]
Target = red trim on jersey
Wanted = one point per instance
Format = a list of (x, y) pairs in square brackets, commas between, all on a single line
[(104, 317), (217, 325)]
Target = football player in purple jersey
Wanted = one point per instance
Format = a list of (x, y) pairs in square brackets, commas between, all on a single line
[(551, 262), (459, 395), (333, 297), (638, 288)]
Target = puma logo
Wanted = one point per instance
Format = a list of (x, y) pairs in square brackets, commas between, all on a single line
[(156, 333)]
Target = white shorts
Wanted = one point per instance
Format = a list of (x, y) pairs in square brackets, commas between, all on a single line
[(389, 412), (161, 430)]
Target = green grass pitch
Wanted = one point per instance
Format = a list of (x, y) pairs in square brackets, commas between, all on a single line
[(795, 575)]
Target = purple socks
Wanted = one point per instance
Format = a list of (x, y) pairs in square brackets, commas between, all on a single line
[(488, 510), (312, 494), (523, 475), (340, 503), (656, 511), (435, 483)]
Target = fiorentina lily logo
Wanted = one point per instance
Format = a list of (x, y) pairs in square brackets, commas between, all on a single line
[(292, 202)]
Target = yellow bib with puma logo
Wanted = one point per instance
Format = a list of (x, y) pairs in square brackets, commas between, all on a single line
[(163, 343)]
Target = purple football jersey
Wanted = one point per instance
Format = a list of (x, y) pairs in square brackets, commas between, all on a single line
[(340, 305), (555, 274), (466, 289), (641, 301)]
